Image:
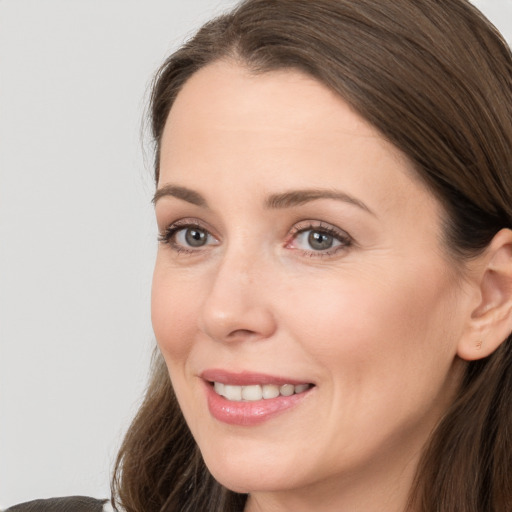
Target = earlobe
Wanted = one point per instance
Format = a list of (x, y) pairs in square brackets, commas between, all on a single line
[(491, 321)]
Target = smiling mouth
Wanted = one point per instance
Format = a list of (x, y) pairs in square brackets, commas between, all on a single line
[(256, 392)]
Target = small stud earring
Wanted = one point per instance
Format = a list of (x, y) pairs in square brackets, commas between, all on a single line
[(479, 345)]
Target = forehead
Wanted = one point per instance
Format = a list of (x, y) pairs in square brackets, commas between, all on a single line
[(227, 93), (261, 111)]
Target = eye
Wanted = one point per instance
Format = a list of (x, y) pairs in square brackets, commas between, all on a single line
[(191, 236), (319, 239), (187, 237)]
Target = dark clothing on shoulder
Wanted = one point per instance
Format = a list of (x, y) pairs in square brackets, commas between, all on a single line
[(68, 504)]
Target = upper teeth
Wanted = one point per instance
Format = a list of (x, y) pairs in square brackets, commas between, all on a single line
[(256, 392)]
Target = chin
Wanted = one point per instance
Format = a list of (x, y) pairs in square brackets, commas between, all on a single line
[(251, 480), (241, 473)]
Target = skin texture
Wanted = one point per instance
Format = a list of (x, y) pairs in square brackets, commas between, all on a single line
[(374, 323)]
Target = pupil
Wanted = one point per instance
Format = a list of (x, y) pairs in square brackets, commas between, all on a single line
[(195, 237), (320, 241)]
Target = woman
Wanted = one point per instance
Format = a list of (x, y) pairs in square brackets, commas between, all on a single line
[(333, 287)]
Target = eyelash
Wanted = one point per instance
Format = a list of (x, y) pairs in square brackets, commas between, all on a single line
[(344, 239), (168, 237)]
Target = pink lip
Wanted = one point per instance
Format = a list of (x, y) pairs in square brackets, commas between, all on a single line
[(246, 378), (247, 413)]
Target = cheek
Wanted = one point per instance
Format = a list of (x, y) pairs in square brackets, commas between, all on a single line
[(173, 313), (380, 330), (386, 357)]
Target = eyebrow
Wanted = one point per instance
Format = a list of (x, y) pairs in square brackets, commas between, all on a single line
[(282, 200), (298, 197), (186, 194)]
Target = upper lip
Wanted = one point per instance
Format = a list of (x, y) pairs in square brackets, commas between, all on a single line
[(247, 378)]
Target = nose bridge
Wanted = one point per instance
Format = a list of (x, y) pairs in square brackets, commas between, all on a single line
[(237, 305)]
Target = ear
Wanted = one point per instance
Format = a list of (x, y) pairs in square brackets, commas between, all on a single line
[(491, 321)]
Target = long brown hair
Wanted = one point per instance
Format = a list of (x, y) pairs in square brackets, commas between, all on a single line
[(435, 77)]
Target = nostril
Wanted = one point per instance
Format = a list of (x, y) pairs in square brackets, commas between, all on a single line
[(241, 333)]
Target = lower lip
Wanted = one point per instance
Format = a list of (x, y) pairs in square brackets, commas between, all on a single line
[(247, 414)]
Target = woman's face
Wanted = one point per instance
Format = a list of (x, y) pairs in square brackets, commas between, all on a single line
[(299, 254)]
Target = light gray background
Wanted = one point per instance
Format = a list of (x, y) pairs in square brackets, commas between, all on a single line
[(77, 238)]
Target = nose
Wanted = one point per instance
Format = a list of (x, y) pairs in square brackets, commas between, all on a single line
[(238, 306)]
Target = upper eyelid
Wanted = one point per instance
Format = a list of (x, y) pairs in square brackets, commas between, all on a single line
[(320, 226), (303, 225), (189, 222)]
